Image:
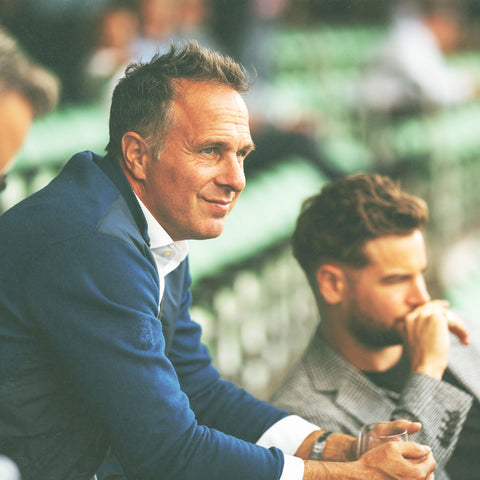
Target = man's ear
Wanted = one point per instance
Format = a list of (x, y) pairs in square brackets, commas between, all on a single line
[(331, 283), (136, 155)]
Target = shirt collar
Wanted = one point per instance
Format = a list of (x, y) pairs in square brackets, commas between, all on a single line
[(159, 238)]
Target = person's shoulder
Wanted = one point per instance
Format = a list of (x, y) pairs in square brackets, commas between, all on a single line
[(71, 204), (295, 384)]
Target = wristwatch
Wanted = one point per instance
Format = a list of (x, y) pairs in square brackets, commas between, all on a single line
[(319, 445)]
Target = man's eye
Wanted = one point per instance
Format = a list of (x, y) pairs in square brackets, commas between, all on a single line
[(208, 150), (395, 279)]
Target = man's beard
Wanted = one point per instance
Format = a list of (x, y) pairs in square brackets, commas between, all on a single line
[(369, 331)]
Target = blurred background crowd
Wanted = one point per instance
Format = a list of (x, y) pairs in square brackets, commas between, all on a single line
[(342, 87)]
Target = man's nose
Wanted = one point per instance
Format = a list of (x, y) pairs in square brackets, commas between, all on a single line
[(232, 174), (419, 294)]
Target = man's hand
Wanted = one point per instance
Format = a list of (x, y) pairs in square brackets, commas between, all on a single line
[(341, 447), (426, 337), (391, 460), (400, 460)]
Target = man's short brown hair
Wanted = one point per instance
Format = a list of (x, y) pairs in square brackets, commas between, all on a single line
[(334, 225), (142, 99)]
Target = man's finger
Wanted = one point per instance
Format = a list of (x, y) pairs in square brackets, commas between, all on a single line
[(457, 327), (414, 450), (410, 427)]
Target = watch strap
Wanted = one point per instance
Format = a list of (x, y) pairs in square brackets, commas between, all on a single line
[(319, 446)]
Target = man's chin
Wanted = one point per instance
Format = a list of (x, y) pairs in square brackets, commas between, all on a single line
[(213, 231), (384, 341), (377, 341)]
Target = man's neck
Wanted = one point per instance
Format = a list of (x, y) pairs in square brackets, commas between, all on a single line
[(363, 358)]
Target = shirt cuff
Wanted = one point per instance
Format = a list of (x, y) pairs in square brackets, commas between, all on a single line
[(287, 434), (293, 468)]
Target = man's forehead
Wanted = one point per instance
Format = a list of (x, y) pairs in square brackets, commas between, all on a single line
[(395, 249), (187, 91), (214, 108)]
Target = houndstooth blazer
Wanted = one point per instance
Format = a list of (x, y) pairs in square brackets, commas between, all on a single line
[(328, 391)]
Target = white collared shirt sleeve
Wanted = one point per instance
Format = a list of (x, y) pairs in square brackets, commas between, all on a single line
[(293, 468), (287, 435)]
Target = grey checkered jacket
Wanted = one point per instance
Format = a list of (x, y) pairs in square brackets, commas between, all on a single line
[(328, 391)]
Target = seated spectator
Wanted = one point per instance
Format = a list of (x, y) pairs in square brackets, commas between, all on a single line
[(27, 91), (195, 24), (410, 73), (117, 27), (382, 349), (159, 25)]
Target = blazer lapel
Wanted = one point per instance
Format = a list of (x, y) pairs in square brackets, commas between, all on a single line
[(354, 393), (361, 398)]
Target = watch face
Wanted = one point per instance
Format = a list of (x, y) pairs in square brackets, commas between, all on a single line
[(318, 446)]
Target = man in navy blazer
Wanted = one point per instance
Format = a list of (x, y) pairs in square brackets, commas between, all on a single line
[(383, 349), (97, 347)]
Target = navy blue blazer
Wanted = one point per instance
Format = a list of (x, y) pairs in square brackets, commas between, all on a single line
[(85, 362)]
